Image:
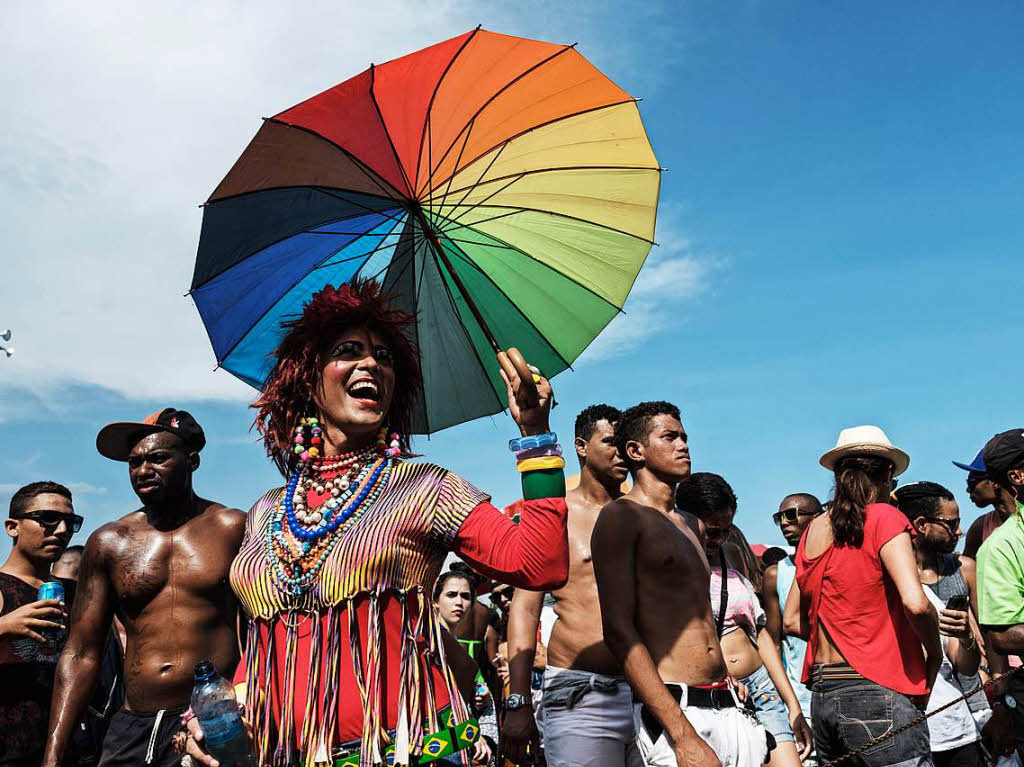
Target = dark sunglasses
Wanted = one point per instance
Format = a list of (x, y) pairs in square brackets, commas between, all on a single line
[(951, 525), (791, 514), (52, 518)]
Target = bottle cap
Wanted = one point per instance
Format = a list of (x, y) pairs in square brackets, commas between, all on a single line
[(204, 671)]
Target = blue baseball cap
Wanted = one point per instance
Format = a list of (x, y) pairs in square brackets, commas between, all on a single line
[(978, 464)]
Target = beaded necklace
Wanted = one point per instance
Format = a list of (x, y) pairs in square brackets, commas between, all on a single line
[(321, 496)]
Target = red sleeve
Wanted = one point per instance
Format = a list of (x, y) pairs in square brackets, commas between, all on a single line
[(883, 523), (533, 554)]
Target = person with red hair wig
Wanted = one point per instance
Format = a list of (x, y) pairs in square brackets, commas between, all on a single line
[(345, 660)]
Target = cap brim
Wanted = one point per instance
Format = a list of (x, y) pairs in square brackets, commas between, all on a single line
[(116, 440), (900, 460), (969, 467)]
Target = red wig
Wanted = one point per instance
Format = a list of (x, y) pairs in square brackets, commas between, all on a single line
[(290, 389)]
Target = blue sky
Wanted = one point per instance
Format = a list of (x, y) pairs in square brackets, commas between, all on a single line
[(839, 226)]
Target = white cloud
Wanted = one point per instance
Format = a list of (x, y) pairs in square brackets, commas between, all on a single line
[(121, 117)]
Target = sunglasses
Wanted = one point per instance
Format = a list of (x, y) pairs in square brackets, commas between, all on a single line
[(52, 518), (951, 525), (791, 514)]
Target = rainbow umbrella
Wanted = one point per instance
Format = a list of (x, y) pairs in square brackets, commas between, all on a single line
[(503, 189)]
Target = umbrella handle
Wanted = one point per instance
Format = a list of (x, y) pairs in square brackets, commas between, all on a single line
[(514, 365)]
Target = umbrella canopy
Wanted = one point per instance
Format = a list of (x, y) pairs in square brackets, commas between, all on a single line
[(503, 190)]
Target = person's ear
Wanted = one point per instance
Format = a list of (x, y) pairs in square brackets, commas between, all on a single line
[(919, 523), (1016, 477), (193, 461), (581, 448), (11, 527), (635, 452)]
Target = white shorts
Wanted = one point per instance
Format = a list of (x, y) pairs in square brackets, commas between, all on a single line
[(737, 738), (596, 732)]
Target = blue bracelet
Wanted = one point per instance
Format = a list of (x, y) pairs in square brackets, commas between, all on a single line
[(528, 443)]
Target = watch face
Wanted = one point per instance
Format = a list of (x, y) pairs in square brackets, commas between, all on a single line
[(515, 702), (1010, 700)]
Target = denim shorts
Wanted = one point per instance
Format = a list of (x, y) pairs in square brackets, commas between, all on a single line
[(848, 713), (770, 709)]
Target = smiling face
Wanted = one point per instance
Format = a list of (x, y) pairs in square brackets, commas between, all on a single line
[(357, 384), (37, 540), (454, 600), (160, 468)]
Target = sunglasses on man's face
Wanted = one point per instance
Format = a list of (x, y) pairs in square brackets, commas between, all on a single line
[(951, 525), (791, 514), (51, 518)]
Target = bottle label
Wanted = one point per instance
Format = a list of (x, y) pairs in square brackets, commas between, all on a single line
[(222, 728)]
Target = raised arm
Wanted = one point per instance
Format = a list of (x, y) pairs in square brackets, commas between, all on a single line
[(79, 664), (613, 545), (897, 557)]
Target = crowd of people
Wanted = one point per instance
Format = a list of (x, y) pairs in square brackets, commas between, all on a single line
[(627, 621)]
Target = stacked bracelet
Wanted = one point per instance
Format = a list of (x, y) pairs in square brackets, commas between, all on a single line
[(540, 452), (536, 464), (536, 440)]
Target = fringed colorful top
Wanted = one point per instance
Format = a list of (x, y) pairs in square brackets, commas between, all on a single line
[(359, 654)]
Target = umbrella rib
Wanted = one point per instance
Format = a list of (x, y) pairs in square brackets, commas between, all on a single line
[(478, 181), (513, 210), (212, 277), (267, 311), (495, 95), (387, 133), (430, 104), (482, 202), (392, 192), (364, 207), (324, 264), (556, 169), (444, 197), (561, 274), (538, 126), (462, 256)]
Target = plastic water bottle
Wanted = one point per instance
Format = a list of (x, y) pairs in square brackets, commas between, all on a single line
[(215, 706)]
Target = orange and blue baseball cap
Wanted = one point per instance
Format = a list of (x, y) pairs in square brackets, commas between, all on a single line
[(116, 440)]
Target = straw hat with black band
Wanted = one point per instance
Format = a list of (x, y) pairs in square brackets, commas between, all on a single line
[(866, 441)]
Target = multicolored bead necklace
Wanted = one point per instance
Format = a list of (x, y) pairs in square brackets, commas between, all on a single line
[(321, 496)]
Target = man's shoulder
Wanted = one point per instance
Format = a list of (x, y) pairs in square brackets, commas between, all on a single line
[(1007, 537)]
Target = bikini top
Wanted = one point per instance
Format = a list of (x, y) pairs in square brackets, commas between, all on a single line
[(743, 610)]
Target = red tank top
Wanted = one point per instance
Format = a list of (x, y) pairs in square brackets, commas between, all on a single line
[(848, 591)]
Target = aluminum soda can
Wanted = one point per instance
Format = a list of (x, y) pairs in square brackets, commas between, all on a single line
[(53, 590)]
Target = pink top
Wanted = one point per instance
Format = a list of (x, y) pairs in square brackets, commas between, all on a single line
[(848, 590), (742, 611)]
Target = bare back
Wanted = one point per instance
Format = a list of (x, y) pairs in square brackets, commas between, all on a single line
[(672, 585), (817, 540), (577, 639), (170, 590)]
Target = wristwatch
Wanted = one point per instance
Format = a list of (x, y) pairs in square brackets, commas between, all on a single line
[(515, 701)]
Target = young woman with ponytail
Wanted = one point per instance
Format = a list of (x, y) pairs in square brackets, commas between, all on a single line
[(860, 605)]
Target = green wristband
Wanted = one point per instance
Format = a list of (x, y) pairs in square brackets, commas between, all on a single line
[(543, 483)]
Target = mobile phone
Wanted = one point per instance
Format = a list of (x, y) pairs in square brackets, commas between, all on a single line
[(957, 602)]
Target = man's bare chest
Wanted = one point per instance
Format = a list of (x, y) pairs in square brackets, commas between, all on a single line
[(669, 553)]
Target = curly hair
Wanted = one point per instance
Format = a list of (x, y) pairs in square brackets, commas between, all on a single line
[(589, 417), (289, 393), (703, 493), (634, 425)]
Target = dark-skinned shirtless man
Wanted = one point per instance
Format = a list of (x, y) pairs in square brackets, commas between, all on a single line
[(653, 581), (587, 705), (163, 571)]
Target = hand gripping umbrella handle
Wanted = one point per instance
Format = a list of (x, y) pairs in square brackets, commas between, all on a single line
[(514, 365)]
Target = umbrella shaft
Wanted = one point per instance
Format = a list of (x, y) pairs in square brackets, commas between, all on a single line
[(443, 256)]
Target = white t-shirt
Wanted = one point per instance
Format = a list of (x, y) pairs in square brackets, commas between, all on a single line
[(955, 726)]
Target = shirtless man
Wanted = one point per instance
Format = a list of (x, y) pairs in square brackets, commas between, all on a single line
[(653, 581), (163, 571), (588, 711)]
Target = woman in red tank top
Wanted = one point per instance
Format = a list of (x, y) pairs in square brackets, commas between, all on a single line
[(860, 605)]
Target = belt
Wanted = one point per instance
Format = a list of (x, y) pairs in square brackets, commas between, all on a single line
[(828, 672), (714, 697), (437, 745)]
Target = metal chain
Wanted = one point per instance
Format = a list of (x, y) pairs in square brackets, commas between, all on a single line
[(886, 736)]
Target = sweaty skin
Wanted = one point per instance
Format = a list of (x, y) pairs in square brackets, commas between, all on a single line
[(653, 580), (164, 574)]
